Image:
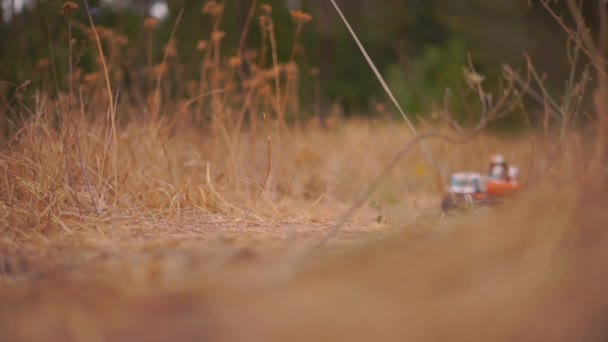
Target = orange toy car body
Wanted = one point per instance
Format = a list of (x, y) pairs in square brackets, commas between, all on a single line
[(501, 188)]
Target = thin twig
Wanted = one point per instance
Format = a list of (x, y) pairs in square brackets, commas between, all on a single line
[(245, 30), (83, 169), (156, 108), (533, 94), (267, 171), (276, 72), (110, 95), (69, 120), (587, 46)]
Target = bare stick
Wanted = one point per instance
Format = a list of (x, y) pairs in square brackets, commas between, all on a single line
[(68, 121), (373, 66), (110, 95), (159, 79), (586, 45), (533, 93), (276, 71), (83, 168), (267, 171), (245, 31)]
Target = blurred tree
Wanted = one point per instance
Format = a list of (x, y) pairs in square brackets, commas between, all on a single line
[(419, 45)]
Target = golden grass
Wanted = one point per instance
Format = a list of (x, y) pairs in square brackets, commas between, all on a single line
[(141, 226), (169, 171), (168, 254)]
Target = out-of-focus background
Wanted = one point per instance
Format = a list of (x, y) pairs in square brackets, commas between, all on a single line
[(419, 46)]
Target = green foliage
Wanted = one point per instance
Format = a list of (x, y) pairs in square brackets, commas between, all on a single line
[(423, 81)]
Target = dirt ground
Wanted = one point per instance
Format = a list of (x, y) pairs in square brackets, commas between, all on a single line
[(145, 278), (203, 277)]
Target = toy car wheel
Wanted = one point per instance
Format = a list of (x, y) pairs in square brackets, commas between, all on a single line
[(448, 203), (490, 201)]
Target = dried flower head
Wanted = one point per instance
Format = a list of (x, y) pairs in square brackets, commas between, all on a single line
[(272, 72), (208, 6), (234, 62), (300, 17), (217, 35), (104, 33), (121, 40), (159, 69), (263, 20), (150, 23), (472, 78), (213, 9), (170, 49), (68, 8), (266, 8), (201, 45)]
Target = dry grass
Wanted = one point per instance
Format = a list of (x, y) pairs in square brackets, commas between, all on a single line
[(168, 255), (172, 173), (153, 228)]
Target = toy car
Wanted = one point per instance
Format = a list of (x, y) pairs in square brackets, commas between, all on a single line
[(474, 189)]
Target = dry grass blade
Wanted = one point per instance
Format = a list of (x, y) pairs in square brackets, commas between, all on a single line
[(112, 108), (268, 163), (374, 68), (163, 64)]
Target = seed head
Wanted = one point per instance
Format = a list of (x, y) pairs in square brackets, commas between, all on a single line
[(68, 8), (213, 9), (217, 35), (121, 40), (234, 62), (266, 8), (300, 17), (158, 69), (472, 78), (263, 21), (201, 45), (170, 49), (150, 23)]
